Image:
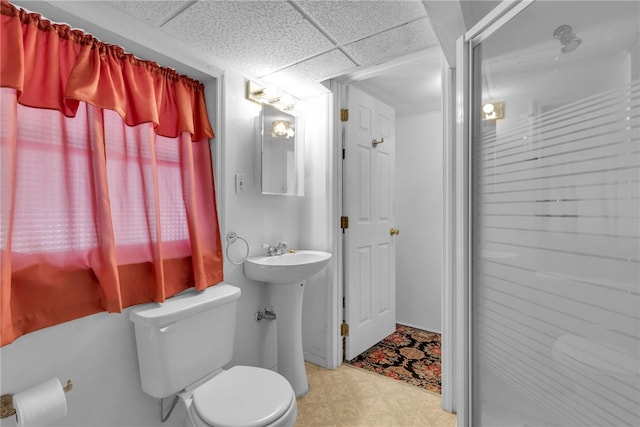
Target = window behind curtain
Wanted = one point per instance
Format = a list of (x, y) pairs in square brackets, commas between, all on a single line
[(54, 196), (107, 195)]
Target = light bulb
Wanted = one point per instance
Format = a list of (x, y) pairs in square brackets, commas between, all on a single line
[(280, 128), (290, 133)]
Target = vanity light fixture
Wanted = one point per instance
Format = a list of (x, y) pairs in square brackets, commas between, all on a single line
[(271, 96), (492, 111), (282, 128)]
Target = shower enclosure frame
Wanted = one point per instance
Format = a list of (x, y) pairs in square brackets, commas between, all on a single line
[(459, 223), (458, 202)]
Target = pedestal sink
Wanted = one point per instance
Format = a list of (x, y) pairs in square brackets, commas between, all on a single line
[(285, 276)]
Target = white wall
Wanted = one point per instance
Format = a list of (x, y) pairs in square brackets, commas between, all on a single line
[(299, 221), (257, 218), (316, 228), (419, 204), (98, 352)]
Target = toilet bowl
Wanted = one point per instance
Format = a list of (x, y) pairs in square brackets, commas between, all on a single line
[(242, 396), (183, 345)]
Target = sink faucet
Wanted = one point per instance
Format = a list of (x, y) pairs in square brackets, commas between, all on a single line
[(282, 248), (275, 250)]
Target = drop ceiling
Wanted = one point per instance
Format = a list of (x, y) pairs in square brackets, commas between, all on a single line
[(314, 40), (308, 41), (285, 42)]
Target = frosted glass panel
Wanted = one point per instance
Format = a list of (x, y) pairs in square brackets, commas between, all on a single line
[(556, 219)]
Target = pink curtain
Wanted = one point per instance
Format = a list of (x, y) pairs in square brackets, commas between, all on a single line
[(106, 185)]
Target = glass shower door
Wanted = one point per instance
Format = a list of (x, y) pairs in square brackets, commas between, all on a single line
[(555, 217)]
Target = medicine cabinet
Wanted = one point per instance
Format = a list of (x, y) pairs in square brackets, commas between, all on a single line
[(282, 162)]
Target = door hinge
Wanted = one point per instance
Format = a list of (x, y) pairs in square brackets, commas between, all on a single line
[(344, 329), (344, 222), (344, 114)]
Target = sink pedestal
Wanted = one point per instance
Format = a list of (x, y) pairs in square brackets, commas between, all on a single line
[(286, 300), (285, 276)]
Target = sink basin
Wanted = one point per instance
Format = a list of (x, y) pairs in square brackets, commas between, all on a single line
[(291, 268)]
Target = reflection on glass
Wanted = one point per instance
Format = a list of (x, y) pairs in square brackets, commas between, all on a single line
[(281, 153), (556, 221)]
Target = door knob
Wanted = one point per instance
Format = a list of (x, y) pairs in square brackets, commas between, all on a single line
[(394, 231), (375, 142)]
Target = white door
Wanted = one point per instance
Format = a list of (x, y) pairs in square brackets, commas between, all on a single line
[(368, 187)]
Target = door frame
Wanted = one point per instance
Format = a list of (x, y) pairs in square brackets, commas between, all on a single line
[(339, 88), (458, 201)]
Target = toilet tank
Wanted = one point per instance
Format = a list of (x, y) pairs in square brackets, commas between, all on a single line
[(185, 338)]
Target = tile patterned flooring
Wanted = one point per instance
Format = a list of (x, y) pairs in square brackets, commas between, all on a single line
[(353, 397)]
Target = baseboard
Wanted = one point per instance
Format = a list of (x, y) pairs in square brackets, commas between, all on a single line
[(316, 360), (418, 327)]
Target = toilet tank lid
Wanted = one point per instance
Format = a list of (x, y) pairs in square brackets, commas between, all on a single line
[(185, 304)]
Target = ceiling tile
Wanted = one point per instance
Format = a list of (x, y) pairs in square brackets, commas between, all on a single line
[(410, 89), (398, 41), (258, 37), (294, 84), (151, 11), (326, 65), (348, 21)]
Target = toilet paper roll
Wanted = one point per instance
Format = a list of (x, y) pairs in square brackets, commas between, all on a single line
[(41, 404)]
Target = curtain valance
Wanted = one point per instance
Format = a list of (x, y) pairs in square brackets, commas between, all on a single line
[(71, 66)]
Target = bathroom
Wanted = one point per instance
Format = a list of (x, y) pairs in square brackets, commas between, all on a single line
[(98, 352)]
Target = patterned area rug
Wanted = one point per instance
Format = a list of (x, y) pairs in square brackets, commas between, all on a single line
[(409, 354)]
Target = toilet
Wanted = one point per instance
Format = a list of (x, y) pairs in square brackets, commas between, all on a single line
[(183, 345)]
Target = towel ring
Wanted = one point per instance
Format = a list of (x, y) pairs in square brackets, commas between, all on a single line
[(232, 237)]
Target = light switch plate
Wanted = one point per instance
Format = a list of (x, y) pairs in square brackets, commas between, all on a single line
[(241, 183)]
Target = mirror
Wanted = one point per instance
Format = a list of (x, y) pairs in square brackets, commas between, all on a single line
[(282, 157)]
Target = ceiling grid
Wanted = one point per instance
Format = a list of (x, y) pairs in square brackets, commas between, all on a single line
[(315, 40)]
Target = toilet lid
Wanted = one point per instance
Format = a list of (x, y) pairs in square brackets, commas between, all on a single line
[(243, 396)]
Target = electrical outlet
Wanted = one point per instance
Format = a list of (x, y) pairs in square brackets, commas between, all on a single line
[(241, 183)]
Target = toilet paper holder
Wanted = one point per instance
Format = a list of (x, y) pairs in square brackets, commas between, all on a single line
[(6, 401)]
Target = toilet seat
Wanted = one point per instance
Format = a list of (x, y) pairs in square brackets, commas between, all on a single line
[(243, 396)]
